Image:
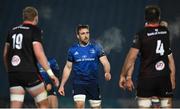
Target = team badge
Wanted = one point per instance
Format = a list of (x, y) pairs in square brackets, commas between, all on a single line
[(160, 65), (15, 60), (92, 51)]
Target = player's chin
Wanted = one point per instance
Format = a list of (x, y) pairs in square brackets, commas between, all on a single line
[(108, 79), (86, 40)]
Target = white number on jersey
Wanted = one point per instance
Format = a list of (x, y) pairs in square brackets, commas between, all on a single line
[(160, 48), (17, 41)]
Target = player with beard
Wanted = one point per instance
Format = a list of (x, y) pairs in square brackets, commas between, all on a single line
[(83, 59), (157, 71)]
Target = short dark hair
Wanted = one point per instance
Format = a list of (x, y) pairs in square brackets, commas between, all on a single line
[(80, 26), (152, 13), (29, 13)]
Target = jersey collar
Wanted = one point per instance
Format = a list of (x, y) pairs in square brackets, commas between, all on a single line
[(84, 45)]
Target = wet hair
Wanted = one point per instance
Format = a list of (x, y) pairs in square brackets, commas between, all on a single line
[(80, 26), (29, 13), (152, 13)]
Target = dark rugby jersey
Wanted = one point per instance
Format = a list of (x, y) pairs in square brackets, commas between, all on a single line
[(21, 56), (153, 43)]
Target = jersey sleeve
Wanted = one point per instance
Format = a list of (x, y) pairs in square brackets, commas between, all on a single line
[(70, 55), (37, 35), (169, 48), (100, 50), (136, 41), (54, 65)]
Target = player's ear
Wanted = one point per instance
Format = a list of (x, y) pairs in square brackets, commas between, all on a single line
[(77, 36), (36, 20)]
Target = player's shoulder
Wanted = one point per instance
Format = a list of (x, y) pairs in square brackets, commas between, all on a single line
[(95, 45), (15, 27), (142, 31), (35, 28), (164, 28), (73, 47)]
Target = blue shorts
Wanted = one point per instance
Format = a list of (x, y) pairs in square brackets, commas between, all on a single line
[(91, 91)]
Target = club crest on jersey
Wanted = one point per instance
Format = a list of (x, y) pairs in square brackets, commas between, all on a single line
[(160, 65), (92, 51), (15, 61)]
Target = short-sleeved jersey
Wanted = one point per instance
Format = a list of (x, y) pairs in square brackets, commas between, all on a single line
[(47, 80), (21, 56), (154, 46), (85, 61), (54, 66)]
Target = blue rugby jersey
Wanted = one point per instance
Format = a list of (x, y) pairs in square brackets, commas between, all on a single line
[(54, 66), (85, 62)]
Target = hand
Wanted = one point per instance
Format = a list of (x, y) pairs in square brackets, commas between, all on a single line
[(129, 84), (61, 90), (48, 87), (122, 82), (55, 80), (107, 76)]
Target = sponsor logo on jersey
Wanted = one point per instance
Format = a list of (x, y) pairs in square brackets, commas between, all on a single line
[(15, 61), (156, 32), (84, 56), (20, 27), (160, 65), (169, 93)]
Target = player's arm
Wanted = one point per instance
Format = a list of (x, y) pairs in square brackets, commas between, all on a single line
[(66, 74), (129, 62), (172, 70), (40, 56), (106, 65), (127, 70), (5, 55)]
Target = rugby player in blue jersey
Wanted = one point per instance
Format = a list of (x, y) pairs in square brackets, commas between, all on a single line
[(83, 59), (52, 90)]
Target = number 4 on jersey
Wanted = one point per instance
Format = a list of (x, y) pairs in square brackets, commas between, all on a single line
[(160, 48)]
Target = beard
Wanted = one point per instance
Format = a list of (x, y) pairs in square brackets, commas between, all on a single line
[(85, 41)]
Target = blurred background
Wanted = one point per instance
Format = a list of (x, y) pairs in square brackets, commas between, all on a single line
[(113, 23)]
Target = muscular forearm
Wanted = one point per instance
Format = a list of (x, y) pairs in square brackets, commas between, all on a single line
[(107, 67), (5, 64), (128, 66), (130, 71), (105, 64), (5, 54), (172, 70), (66, 73)]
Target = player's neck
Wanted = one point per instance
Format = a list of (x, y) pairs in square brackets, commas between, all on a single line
[(152, 25), (83, 44), (29, 22)]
